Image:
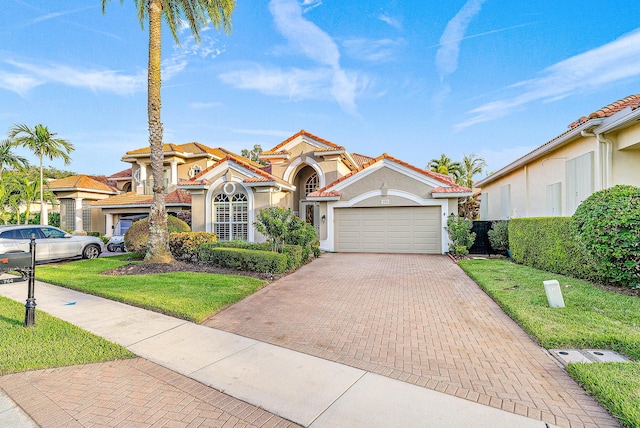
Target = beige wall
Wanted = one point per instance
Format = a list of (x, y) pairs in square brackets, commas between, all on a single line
[(392, 180), (529, 184)]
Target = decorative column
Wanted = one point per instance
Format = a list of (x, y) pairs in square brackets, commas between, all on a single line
[(108, 225), (79, 229), (45, 214)]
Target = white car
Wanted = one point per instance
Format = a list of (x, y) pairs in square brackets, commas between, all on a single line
[(51, 242)]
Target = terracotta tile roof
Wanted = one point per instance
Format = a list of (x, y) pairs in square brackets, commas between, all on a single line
[(361, 159), (193, 148), (443, 179), (329, 149), (329, 194), (294, 136), (125, 173), (455, 189), (632, 101), (132, 198), (82, 182), (266, 177)]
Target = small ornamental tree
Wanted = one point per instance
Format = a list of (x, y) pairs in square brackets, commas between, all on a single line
[(273, 223), (499, 235), (460, 235), (607, 228), (281, 227)]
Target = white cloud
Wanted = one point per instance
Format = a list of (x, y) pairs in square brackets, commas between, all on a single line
[(295, 84), (18, 82), (307, 38), (96, 80), (613, 62), (307, 5), (395, 23), (372, 50), (447, 55)]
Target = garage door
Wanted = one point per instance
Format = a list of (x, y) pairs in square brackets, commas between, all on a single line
[(388, 230)]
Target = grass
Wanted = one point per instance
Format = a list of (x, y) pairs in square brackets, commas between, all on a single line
[(592, 318), (187, 295), (50, 343), (615, 385)]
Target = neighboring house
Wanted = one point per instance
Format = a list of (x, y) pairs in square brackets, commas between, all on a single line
[(356, 203), (75, 195), (595, 153)]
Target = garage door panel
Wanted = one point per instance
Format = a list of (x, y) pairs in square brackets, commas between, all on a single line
[(389, 229)]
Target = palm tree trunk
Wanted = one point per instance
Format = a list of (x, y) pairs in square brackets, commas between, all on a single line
[(42, 219), (158, 246)]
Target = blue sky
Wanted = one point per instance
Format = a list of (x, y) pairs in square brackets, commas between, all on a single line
[(412, 78)]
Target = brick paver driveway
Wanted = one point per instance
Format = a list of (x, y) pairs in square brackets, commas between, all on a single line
[(419, 319), (128, 393)]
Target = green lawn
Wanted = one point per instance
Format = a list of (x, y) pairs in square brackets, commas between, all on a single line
[(50, 343), (187, 295), (593, 318)]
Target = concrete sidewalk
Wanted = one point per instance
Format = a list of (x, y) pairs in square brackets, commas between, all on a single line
[(307, 390)]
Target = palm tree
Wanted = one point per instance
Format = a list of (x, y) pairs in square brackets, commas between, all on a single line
[(445, 166), (10, 159), (43, 144), (25, 192), (472, 165), (198, 13)]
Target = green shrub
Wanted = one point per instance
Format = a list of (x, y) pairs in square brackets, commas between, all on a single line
[(499, 235), (184, 245), (294, 254), (137, 236), (243, 259), (545, 243), (96, 234), (607, 228), (460, 235), (282, 227)]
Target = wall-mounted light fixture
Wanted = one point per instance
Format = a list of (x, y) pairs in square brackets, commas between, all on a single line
[(323, 218)]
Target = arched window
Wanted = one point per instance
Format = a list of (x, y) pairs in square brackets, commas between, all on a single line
[(194, 170), (231, 217), (311, 185)]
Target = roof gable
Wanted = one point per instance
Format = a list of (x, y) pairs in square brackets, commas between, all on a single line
[(299, 137), (439, 183), (242, 165)]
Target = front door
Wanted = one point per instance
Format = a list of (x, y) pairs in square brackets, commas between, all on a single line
[(309, 213)]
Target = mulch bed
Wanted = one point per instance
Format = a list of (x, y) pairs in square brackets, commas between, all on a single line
[(181, 266)]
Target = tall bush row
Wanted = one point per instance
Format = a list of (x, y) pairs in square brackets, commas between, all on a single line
[(547, 243)]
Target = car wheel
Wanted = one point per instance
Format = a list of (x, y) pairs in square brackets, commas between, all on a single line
[(124, 250), (90, 252), (111, 248)]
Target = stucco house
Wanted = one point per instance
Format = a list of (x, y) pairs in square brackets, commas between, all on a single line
[(355, 202), (596, 152)]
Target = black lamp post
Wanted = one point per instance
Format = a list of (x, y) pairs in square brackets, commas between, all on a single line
[(30, 311)]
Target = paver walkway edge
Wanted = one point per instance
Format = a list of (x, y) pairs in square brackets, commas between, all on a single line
[(305, 389)]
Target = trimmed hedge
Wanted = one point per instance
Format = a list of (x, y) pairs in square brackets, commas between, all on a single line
[(546, 243), (184, 245), (293, 253), (243, 259)]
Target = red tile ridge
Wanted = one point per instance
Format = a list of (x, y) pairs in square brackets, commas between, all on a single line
[(632, 101), (298, 134)]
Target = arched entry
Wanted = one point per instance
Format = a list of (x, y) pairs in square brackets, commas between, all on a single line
[(307, 181)]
